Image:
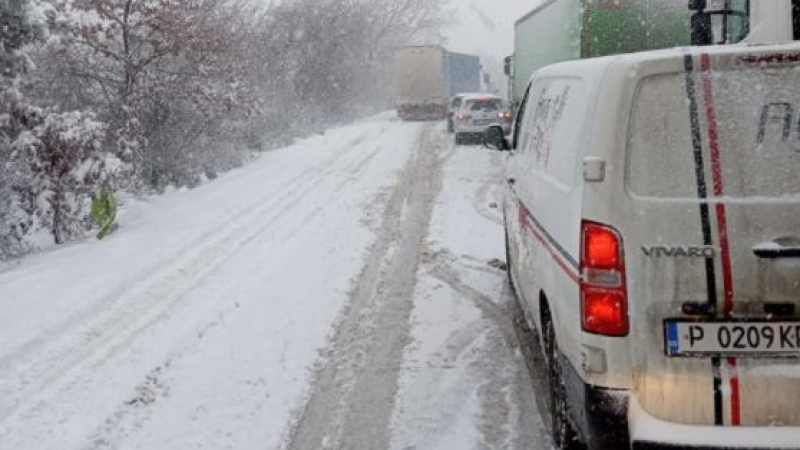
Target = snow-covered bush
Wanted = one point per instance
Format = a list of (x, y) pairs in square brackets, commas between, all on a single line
[(65, 162), (15, 117), (22, 22), (50, 163)]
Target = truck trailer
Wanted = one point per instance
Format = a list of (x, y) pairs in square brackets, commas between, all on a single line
[(562, 30), (428, 76)]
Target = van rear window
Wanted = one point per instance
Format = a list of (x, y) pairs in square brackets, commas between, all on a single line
[(757, 129)]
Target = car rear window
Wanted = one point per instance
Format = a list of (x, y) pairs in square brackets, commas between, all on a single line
[(485, 105), (757, 129)]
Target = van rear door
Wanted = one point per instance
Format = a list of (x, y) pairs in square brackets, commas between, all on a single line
[(712, 236)]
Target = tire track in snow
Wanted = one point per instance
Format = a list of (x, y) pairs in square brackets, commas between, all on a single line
[(486, 203), (135, 413), (535, 363), (501, 392), (489, 196), (45, 367), (465, 384), (352, 399)]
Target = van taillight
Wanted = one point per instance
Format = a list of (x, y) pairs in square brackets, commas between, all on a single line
[(604, 303)]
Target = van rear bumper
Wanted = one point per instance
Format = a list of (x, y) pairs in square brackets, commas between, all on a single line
[(610, 419), (481, 129), (659, 446), (650, 433)]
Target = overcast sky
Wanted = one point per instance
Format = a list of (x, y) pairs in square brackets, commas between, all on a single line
[(482, 27), (486, 27)]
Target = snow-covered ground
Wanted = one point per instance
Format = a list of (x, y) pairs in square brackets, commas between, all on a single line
[(351, 273), (463, 381)]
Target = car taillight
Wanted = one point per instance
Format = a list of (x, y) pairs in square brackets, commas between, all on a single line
[(505, 115), (462, 116), (604, 303)]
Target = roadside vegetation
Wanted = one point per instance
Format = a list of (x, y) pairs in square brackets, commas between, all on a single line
[(100, 96)]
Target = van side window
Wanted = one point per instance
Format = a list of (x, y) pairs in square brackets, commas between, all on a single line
[(552, 127)]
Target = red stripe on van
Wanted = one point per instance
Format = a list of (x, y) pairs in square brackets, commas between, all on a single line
[(722, 222), (705, 223), (527, 224), (736, 403), (719, 191)]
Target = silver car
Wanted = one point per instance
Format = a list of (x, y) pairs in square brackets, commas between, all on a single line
[(477, 113)]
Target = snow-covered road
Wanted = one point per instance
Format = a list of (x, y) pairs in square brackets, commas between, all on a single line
[(341, 293)]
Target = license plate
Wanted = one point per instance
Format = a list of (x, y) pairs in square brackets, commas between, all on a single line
[(767, 339), (484, 122)]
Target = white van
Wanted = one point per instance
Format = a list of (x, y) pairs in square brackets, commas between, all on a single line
[(653, 238)]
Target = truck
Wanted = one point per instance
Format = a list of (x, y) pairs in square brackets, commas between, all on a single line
[(428, 76), (562, 30)]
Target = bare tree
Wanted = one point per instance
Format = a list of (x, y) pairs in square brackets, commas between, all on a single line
[(336, 56)]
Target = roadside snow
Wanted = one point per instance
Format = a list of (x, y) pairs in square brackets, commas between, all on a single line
[(196, 325), (272, 308), (463, 382)]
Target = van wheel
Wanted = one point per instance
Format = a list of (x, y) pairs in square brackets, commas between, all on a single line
[(564, 435), (459, 139)]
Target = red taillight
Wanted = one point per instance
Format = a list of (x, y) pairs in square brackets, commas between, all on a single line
[(462, 116), (604, 304), (600, 247), (505, 115), (604, 312)]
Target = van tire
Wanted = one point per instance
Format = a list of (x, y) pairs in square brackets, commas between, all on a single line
[(564, 435)]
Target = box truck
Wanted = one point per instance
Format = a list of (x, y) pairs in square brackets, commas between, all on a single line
[(428, 76), (562, 30)]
